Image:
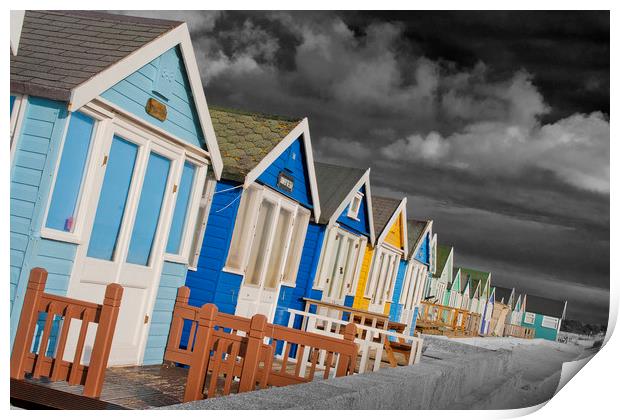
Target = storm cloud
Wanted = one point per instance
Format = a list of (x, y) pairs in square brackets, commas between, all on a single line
[(495, 124)]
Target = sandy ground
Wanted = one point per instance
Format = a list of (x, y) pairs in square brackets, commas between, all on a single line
[(535, 374)]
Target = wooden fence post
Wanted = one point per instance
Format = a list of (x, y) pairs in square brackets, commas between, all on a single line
[(176, 326), (249, 371), (27, 321), (202, 352), (103, 340), (346, 363)]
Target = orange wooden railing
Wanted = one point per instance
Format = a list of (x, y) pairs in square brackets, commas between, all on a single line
[(447, 319), (512, 330), (223, 347), (25, 360)]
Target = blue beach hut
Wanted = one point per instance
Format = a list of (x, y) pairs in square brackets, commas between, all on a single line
[(259, 214), (111, 144), (334, 246)]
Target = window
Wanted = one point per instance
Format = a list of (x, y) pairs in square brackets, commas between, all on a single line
[(550, 322), (354, 207), (204, 207), (270, 229), (529, 318), (181, 208), (70, 174)]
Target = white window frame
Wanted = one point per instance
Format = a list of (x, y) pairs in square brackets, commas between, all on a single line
[(191, 222), (17, 118), (353, 212), (529, 315), (546, 320), (106, 124), (201, 222), (252, 215)]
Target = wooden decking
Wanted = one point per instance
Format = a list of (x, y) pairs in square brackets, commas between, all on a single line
[(134, 388)]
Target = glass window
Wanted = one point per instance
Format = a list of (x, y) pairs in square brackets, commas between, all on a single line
[(149, 209), (180, 209), (284, 224), (529, 318), (112, 199), (258, 254), (296, 247), (550, 322), (62, 211), (243, 228), (355, 205)]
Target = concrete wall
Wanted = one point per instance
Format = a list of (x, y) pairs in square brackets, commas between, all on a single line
[(447, 375)]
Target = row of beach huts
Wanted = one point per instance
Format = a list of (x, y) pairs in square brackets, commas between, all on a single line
[(121, 174)]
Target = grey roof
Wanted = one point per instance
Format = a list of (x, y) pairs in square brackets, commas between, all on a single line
[(544, 306), (415, 228), (335, 183), (245, 138), (382, 209), (59, 50), (502, 293)]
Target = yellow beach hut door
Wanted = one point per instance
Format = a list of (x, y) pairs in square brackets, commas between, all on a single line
[(265, 267), (127, 222)]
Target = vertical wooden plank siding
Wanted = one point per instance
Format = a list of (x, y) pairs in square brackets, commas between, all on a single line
[(36, 153), (132, 93)]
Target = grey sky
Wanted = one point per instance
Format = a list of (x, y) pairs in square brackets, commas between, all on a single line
[(496, 125)]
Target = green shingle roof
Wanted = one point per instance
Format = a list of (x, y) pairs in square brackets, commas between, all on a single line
[(245, 138), (443, 251)]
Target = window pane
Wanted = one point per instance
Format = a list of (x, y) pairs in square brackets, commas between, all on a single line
[(12, 103), (276, 259), (112, 199), (61, 213), (180, 210), (149, 209), (259, 243)]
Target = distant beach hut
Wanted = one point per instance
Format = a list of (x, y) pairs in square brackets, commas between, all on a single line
[(382, 260), (545, 316)]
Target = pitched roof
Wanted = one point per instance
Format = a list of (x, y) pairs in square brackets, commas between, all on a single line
[(335, 183), (59, 50), (443, 252), (473, 284), (415, 229), (245, 138), (502, 293), (545, 306), (382, 209)]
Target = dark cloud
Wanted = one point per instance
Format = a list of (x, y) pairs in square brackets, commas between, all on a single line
[(495, 124)]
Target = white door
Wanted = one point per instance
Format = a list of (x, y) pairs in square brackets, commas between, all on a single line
[(263, 276), (127, 222), (384, 273)]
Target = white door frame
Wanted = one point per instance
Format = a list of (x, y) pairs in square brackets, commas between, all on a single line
[(147, 142)]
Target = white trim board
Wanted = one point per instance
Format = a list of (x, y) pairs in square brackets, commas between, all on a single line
[(402, 208), (93, 87), (364, 180), (302, 129), (17, 21)]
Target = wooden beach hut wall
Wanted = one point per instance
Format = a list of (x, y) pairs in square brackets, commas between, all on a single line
[(382, 260), (545, 316), (410, 283), (487, 313), (502, 309), (347, 225), (259, 217), (111, 143)]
